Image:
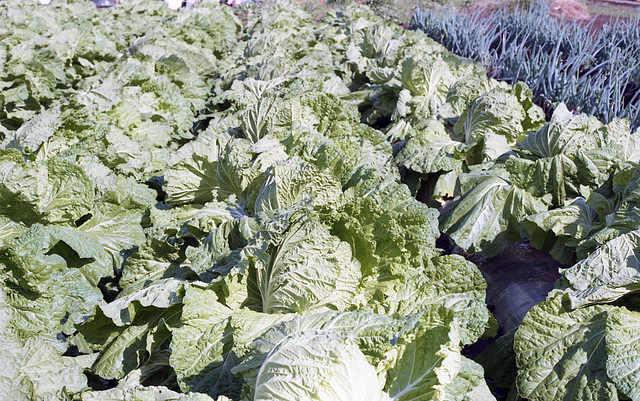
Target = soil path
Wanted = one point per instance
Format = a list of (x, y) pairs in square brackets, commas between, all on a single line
[(517, 279), (570, 10), (630, 7)]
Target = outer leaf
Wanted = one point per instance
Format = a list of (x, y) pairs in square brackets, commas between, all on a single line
[(428, 359), (564, 134), (432, 150), (161, 293), (389, 231), (623, 356), (116, 230), (287, 183), (487, 218), (610, 272), (306, 269), (36, 131), (41, 316), (499, 361), (130, 388), (80, 250), (248, 325), (32, 368), (35, 370), (493, 124), (326, 366), (561, 354), (192, 179), (469, 384), (55, 192), (150, 262), (201, 347), (325, 352), (558, 231), (132, 344), (450, 281)]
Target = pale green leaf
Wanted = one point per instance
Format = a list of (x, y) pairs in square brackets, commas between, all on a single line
[(469, 384), (201, 346), (432, 150), (623, 356), (428, 359), (161, 293), (307, 269), (564, 134), (325, 366), (559, 231), (610, 272), (287, 183), (450, 281), (561, 354), (131, 345), (487, 218), (325, 352)]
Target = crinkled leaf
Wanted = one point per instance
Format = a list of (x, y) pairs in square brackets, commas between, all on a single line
[(487, 218), (55, 192), (289, 182), (561, 354), (564, 134), (325, 350), (451, 282), (428, 359), (326, 366), (115, 229), (559, 231), (306, 269), (493, 124), (610, 272), (36, 370), (162, 293), (388, 230), (131, 388), (623, 367), (469, 384), (201, 346), (131, 345), (432, 150)]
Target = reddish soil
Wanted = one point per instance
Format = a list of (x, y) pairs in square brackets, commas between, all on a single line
[(568, 10), (629, 7), (602, 20)]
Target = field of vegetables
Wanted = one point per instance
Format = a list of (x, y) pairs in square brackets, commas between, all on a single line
[(197, 207)]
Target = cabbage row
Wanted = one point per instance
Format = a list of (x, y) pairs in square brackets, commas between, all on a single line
[(197, 209)]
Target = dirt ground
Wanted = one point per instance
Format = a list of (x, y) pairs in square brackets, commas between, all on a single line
[(596, 12)]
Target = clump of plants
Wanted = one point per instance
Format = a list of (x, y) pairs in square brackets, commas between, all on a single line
[(561, 61)]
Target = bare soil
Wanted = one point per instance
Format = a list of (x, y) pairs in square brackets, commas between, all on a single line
[(517, 279), (573, 10)]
